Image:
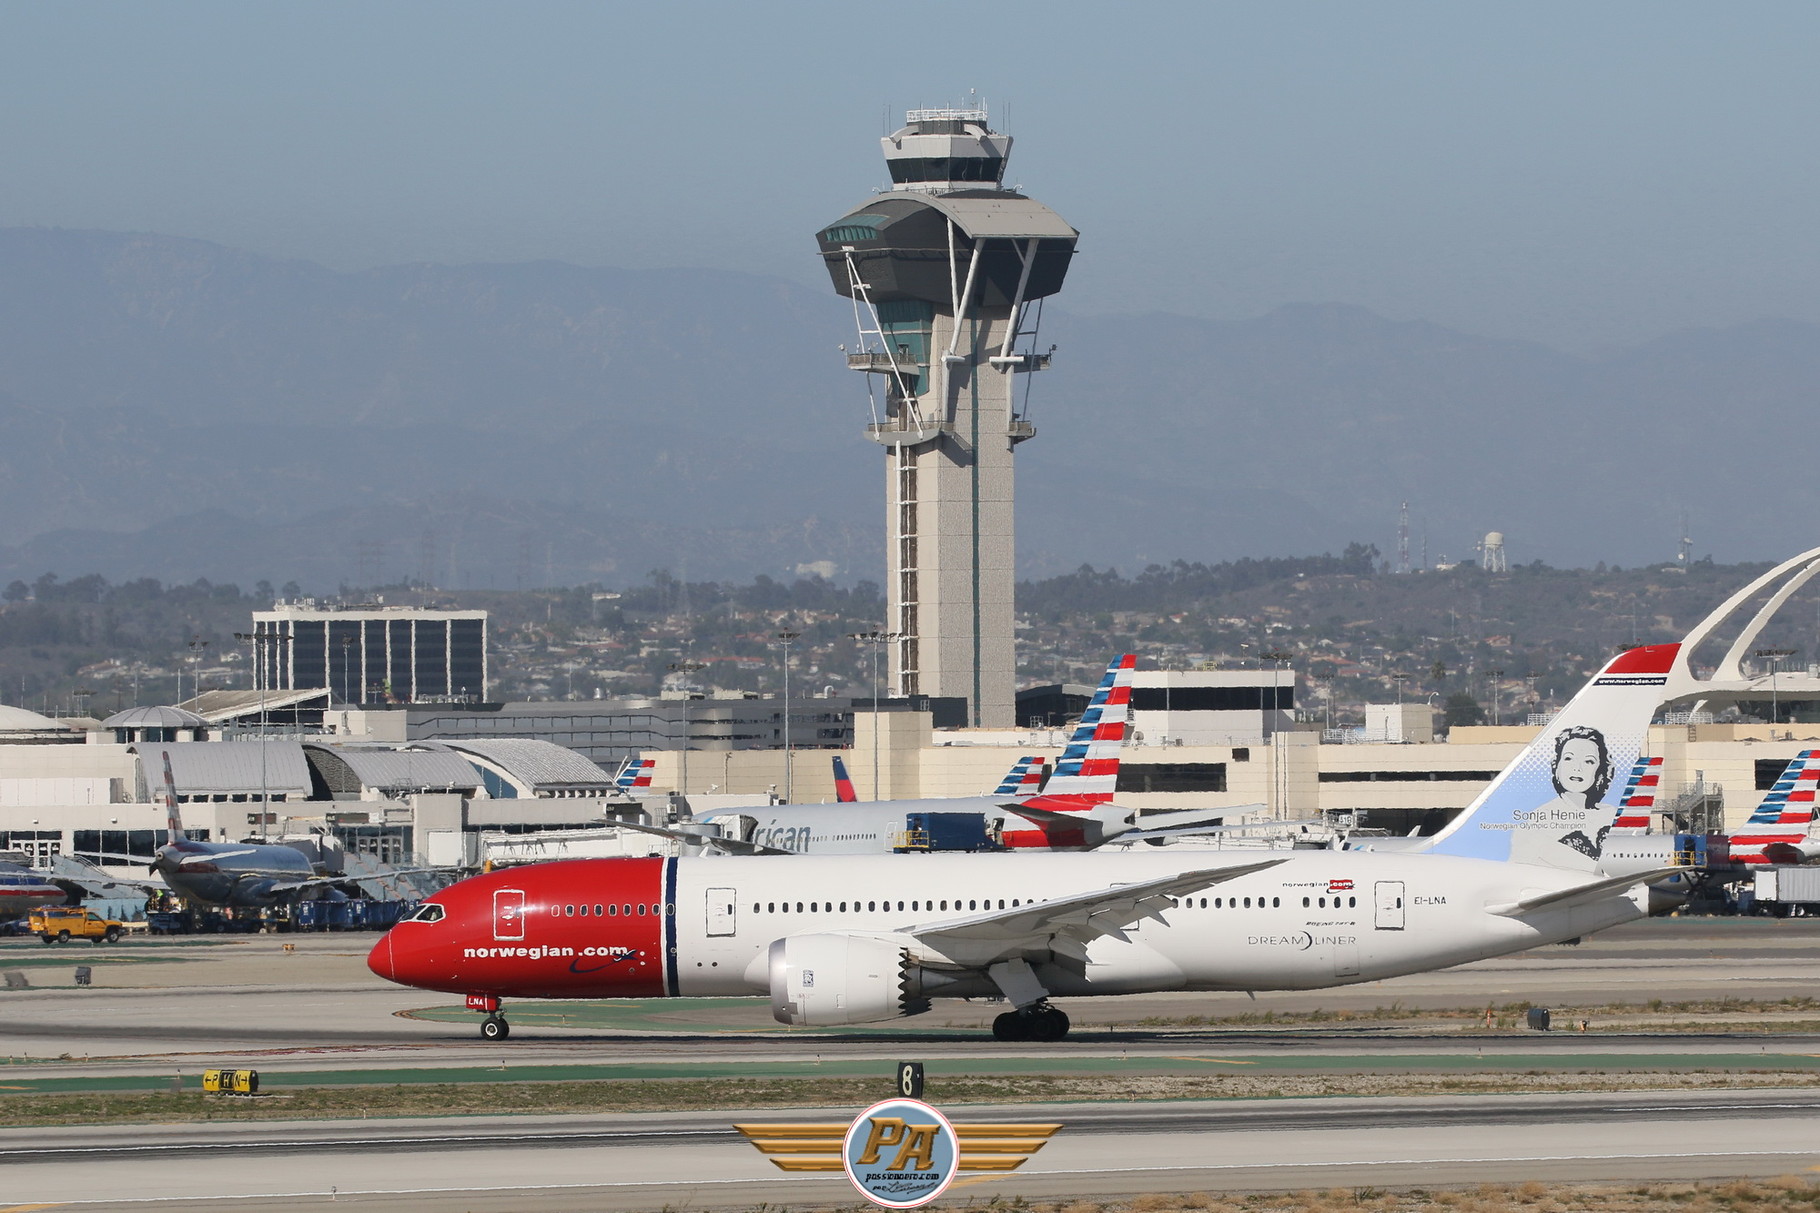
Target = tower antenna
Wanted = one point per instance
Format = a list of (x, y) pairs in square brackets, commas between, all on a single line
[(1403, 539)]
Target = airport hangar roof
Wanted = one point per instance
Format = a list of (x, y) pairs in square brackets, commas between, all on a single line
[(218, 706), (154, 718), (211, 768), (350, 770), (535, 763)]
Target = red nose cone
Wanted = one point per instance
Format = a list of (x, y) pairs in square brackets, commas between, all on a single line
[(380, 958)]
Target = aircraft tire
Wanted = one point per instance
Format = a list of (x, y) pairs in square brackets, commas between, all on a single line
[(1011, 1026), (495, 1027), (1049, 1024)]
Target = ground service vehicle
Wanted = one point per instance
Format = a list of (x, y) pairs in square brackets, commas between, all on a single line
[(60, 924)]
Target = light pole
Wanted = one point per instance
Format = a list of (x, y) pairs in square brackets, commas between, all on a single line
[(197, 647), (784, 638), (1495, 676), (686, 667), (877, 640), (1775, 657)]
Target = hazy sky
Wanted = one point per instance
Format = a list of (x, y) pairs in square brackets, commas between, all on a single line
[(1577, 173)]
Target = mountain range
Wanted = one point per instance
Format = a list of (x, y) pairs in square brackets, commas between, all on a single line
[(178, 409)]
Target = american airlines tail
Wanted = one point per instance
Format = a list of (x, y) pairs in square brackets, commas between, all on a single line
[(1638, 800), (1089, 766), (1777, 831), (1024, 779), (843, 783), (635, 775), (173, 819), (1549, 806)]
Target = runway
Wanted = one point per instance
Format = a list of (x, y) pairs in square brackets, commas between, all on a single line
[(627, 1163), (313, 1015)]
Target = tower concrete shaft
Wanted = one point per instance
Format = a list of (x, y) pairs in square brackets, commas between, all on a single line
[(947, 273)]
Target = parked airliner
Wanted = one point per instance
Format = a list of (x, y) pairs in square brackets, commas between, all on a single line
[(861, 939)]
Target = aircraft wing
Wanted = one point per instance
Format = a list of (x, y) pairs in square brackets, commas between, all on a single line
[(732, 845), (317, 882), (1590, 891), (95, 883), (1066, 925)]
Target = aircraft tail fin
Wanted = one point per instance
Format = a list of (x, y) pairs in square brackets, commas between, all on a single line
[(1024, 779), (173, 819), (1549, 805), (843, 783), (635, 775), (1777, 831), (1089, 766), (1639, 798)]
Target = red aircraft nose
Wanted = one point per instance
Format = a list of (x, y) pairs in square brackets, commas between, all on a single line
[(380, 958)]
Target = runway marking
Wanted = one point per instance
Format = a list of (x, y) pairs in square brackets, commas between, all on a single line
[(1217, 1061), (788, 1179)]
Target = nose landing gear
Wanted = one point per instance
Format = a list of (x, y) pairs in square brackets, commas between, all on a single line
[(494, 1026), (1039, 1022)]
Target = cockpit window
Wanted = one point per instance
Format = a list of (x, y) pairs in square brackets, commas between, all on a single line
[(429, 911)]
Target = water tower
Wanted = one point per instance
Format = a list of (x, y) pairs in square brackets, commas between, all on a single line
[(947, 271)]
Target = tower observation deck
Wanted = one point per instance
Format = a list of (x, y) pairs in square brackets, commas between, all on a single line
[(947, 272)]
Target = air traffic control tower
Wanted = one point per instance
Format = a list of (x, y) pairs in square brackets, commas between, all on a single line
[(947, 271)]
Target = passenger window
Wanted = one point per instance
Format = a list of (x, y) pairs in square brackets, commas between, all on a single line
[(1352, 901), (1276, 903), (1218, 903), (799, 907), (613, 911), (812, 906), (569, 911), (871, 906), (555, 911), (1248, 903), (944, 903), (597, 910), (1304, 903), (770, 907), (971, 905), (641, 911)]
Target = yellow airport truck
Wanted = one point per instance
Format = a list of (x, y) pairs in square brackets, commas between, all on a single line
[(60, 924)]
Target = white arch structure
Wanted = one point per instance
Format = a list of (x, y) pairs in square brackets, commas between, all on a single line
[(1729, 681)]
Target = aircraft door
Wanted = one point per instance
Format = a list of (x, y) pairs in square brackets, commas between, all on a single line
[(720, 911), (508, 913), (1389, 905)]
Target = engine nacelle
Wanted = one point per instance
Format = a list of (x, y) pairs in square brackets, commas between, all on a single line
[(826, 980)]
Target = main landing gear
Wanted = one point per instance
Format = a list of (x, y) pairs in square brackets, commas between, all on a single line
[(1038, 1021)]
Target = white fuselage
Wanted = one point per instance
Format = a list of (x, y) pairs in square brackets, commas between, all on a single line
[(1318, 919)]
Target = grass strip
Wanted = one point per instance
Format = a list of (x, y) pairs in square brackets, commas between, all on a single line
[(543, 1098)]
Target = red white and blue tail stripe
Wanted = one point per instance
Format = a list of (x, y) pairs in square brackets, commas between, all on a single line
[(1090, 765), (843, 783), (1777, 830), (1024, 779), (1639, 798), (635, 775)]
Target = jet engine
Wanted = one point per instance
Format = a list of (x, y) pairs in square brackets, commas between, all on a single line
[(825, 980)]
